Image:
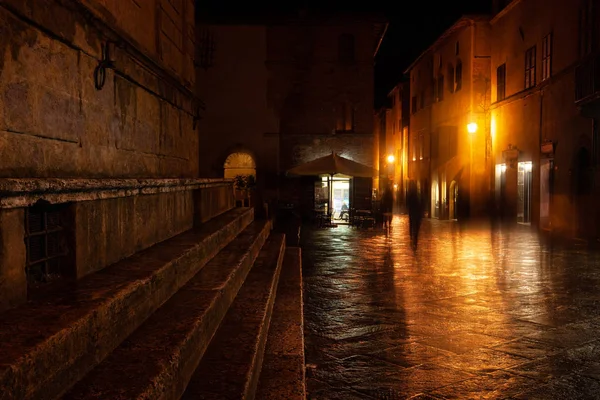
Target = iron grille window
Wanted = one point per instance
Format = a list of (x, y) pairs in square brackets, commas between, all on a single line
[(501, 82), (547, 56), (46, 243), (530, 68)]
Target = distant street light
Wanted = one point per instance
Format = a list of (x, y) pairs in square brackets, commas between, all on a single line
[(391, 158), (472, 127)]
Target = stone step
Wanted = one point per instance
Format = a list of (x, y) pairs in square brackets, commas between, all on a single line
[(283, 373), (231, 365), (158, 359), (49, 344)]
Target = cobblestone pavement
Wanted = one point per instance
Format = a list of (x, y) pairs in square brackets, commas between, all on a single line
[(474, 314)]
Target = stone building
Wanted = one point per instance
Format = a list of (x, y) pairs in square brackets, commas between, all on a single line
[(449, 90), (391, 139), (544, 113), (311, 93), (115, 255), (96, 105)]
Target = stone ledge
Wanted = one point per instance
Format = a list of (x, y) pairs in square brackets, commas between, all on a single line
[(25, 192)]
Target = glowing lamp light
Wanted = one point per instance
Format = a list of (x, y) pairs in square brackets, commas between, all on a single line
[(472, 127), (391, 158), (395, 186)]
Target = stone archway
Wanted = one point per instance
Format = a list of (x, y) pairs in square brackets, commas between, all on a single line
[(239, 163)]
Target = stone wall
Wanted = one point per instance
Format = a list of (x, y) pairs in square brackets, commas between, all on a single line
[(112, 220), (528, 117), (54, 122), (308, 84), (298, 149)]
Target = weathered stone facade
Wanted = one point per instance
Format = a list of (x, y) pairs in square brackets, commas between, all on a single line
[(443, 157), (55, 123), (97, 110), (288, 112), (545, 123)]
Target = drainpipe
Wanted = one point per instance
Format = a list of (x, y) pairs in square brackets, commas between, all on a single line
[(539, 161), (471, 115)]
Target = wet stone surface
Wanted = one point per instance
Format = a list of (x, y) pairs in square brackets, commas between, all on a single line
[(475, 313)]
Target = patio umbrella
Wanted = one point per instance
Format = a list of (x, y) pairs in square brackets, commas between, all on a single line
[(331, 165)]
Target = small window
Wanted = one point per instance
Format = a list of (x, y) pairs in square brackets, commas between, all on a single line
[(440, 88), (457, 48), (458, 76), (530, 68), (346, 48), (547, 57), (47, 243), (451, 78), (586, 28), (414, 104), (345, 119), (501, 82), (422, 100)]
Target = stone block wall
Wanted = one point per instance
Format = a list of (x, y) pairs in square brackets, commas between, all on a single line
[(112, 220), (298, 149), (54, 122)]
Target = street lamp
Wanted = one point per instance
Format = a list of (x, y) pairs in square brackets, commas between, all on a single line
[(391, 159), (472, 127)]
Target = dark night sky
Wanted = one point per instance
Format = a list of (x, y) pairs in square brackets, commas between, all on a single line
[(411, 29)]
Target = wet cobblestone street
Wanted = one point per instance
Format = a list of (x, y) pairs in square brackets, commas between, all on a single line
[(474, 314)]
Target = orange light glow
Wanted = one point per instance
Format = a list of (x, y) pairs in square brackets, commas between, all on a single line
[(472, 127)]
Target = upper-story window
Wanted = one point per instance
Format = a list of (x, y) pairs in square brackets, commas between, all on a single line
[(586, 27), (458, 76), (345, 117), (457, 48), (346, 51), (413, 104), (547, 57), (440, 88), (501, 82), (530, 68), (451, 78)]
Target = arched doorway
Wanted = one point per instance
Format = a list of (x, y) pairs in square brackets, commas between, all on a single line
[(452, 200), (239, 163)]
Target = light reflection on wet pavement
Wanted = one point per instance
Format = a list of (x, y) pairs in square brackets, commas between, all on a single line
[(474, 314)]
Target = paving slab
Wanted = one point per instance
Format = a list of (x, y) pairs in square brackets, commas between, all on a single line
[(477, 312)]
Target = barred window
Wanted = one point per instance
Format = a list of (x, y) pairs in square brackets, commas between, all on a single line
[(47, 230)]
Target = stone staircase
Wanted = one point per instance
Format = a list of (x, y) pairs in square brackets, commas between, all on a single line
[(213, 313)]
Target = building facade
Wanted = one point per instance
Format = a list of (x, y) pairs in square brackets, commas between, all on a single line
[(544, 114), (98, 143), (391, 143), (449, 109), (311, 93)]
